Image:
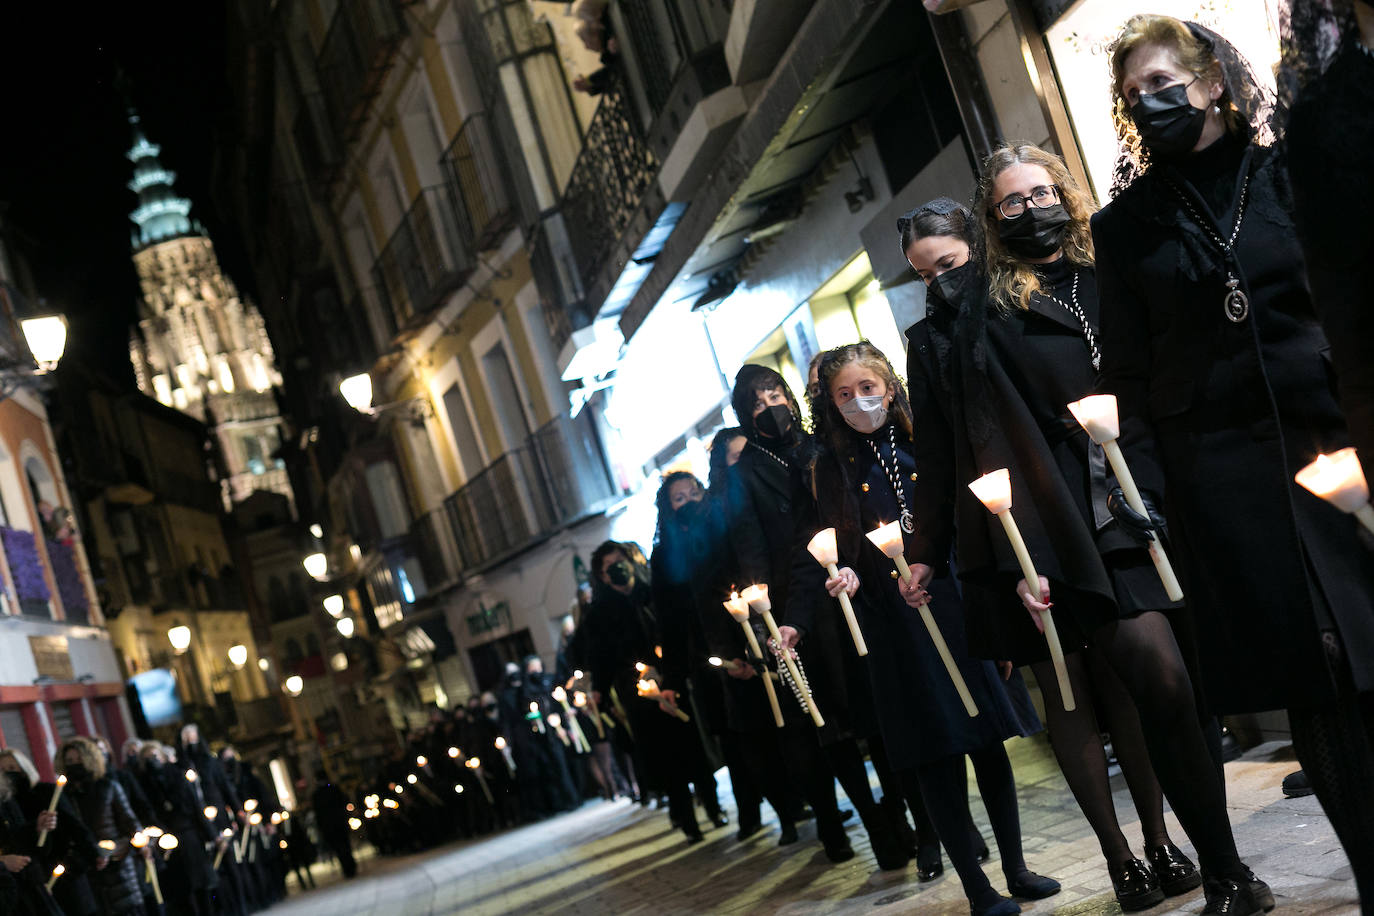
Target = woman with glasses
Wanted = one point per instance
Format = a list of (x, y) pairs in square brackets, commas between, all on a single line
[(1009, 349), (1213, 348)]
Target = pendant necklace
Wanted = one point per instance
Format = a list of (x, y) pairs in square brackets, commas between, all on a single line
[(908, 521), (1076, 310), (785, 465), (1235, 303)]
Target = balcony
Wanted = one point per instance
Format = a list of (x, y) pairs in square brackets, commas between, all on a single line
[(426, 258), (353, 58), (436, 547), (489, 179), (556, 278), (557, 477)]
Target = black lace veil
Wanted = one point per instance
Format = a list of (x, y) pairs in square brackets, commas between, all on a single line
[(1311, 32)]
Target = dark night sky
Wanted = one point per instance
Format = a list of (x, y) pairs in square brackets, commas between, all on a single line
[(63, 173)]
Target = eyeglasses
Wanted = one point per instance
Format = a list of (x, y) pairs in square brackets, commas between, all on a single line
[(1013, 205)]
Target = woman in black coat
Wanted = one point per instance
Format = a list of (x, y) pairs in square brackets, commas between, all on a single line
[(179, 809), (622, 631), (1212, 346), (23, 872), (105, 810), (70, 842), (863, 479)]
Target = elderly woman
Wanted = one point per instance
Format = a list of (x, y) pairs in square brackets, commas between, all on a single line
[(1212, 346), (105, 809)]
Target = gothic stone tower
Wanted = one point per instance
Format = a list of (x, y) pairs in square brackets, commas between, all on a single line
[(198, 346)]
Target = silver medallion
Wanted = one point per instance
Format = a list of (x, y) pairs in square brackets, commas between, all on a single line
[(1236, 303), (908, 521)]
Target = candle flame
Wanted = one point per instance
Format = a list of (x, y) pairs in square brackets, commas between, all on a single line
[(534, 706), (658, 650), (255, 818), (153, 831), (737, 607), (1097, 415), (1337, 478), (138, 840), (500, 743), (579, 699), (473, 763), (226, 833), (62, 779), (211, 812), (190, 775), (888, 539), (458, 789), (167, 841), (823, 548), (390, 803), (354, 823), (578, 674), (250, 805), (422, 761), (412, 779), (276, 817), (559, 694), (555, 719), (641, 667), (994, 490), (58, 870), (107, 845), (453, 752), (647, 688), (756, 596), (715, 661)]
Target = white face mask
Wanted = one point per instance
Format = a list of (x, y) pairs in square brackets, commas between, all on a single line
[(865, 414)]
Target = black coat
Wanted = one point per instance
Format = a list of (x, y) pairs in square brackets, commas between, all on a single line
[(1329, 138), (22, 893), (1012, 411), (921, 715), (179, 810), (105, 809), (72, 844), (1220, 415)]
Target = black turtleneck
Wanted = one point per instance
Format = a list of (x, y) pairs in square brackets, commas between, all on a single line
[(1213, 172)]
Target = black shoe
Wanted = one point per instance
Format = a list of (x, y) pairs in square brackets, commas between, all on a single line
[(719, 819), (1259, 890), (886, 841), (693, 836), (839, 852), (1030, 886), (995, 905), (789, 835), (747, 830), (1176, 872), (1136, 887), (845, 815), (929, 865), (1228, 898), (984, 854), (1297, 785)]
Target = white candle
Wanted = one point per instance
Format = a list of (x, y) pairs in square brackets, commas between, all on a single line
[(475, 764), (226, 835), (888, 539), (994, 491), (57, 872), (52, 806), (757, 597), (1339, 479), (824, 549), (579, 739), (739, 610), (1097, 416), (538, 719)]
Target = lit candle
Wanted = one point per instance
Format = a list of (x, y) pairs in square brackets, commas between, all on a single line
[(557, 722), (649, 689), (454, 753), (226, 835), (757, 598), (1097, 415), (139, 841), (211, 812), (729, 664), (57, 872), (738, 608), (52, 805), (108, 845), (823, 548), (994, 491), (1339, 479), (475, 764), (504, 748), (888, 539), (536, 717), (596, 715), (579, 739)]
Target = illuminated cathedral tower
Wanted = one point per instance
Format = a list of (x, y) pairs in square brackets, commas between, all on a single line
[(199, 347)]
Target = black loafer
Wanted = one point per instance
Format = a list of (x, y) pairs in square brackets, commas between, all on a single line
[(1136, 887), (1030, 886), (1176, 872), (839, 853), (1259, 890), (929, 864), (1229, 898), (719, 819), (789, 835), (747, 830)]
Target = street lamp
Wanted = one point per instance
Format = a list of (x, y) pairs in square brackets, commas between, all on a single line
[(180, 638), (334, 605), (46, 338), (345, 626), (294, 685), (238, 656), (357, 391), (317, 565)]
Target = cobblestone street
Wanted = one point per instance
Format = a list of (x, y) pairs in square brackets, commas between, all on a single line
[(621, 859)]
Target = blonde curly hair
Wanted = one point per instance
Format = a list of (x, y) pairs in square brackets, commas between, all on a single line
[(1012, 281), (89, 752)]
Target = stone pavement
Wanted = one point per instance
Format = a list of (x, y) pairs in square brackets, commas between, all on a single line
[(616, 858)]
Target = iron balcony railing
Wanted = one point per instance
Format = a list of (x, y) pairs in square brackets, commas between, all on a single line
[(557, 279), (484, 165), (557, 476), (356, 52), (436, 546), (425, 258)]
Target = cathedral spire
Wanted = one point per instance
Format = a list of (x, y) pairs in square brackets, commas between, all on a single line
[(160, 214)]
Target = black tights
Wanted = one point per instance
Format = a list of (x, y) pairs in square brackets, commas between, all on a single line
[(1145, 654), (847, 761), (1333, 744), (814, 780), (1101, 699), (942, 785), (895, 794)]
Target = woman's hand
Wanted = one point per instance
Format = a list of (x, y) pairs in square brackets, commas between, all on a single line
[(790, 638), (740, 669), (1036, 608), (14, 863), (668, 696), (1005, 669), (47, 821), (101, 862), (913, 592), (847, 582)]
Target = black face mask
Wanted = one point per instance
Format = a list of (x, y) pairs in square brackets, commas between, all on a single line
[(20, 781), (1168, 124), (620, 573), (1037, 233), (775, 422), (77, 772), (689, 512), (951, 286)]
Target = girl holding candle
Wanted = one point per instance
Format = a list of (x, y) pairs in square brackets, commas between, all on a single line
[(1212, 346), (69, 842), (770, 509), (862, 478), (996, 367)]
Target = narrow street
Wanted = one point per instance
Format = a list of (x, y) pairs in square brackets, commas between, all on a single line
[(621, 859)]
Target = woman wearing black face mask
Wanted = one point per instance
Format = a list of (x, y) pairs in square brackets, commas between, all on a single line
[(23, 813), (1213, 348), (105, 809), (992, 376)]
